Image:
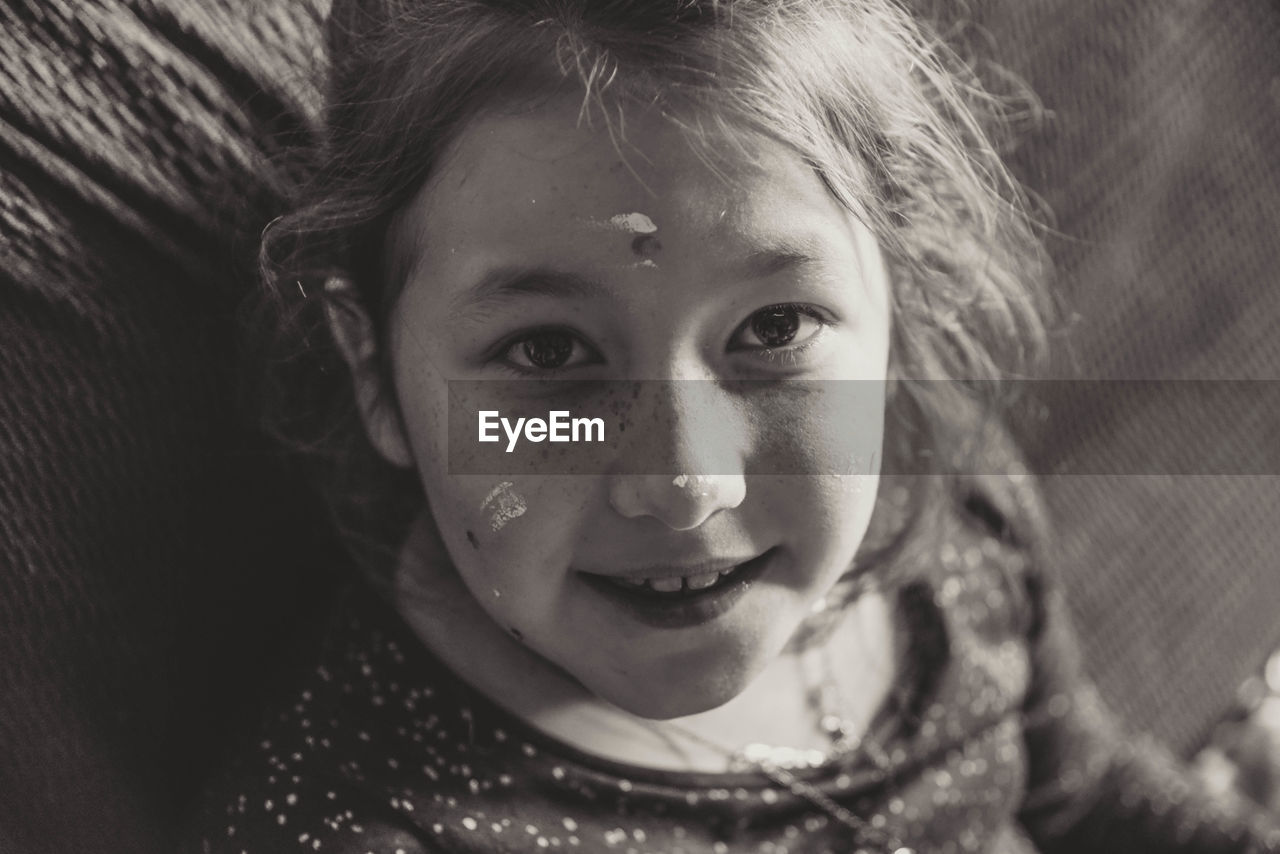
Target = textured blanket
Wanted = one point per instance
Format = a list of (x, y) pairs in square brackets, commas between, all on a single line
[(151, 554)]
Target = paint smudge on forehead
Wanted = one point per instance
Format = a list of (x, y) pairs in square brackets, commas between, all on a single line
[(629, 223), (637, 223), (503, 505)]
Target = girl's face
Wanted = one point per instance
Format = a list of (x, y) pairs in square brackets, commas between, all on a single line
[(539, 251)]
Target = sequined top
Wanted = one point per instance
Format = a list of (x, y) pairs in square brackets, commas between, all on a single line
[(993, 743)]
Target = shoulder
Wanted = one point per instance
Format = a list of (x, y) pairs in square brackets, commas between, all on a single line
[(319, 774)]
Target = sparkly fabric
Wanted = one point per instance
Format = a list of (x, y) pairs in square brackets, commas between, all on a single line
[(147, 560), (993, 742)]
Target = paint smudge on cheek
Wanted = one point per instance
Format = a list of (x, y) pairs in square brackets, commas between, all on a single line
[(502, 504)]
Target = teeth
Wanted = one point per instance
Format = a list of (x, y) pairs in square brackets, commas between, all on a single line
[(674, 584), (700, 582), (665, 585), (677, 583)]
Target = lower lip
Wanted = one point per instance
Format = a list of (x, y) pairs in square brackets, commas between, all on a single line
[(687, 611)]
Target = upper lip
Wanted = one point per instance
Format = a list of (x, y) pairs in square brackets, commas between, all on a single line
[(682, 569)]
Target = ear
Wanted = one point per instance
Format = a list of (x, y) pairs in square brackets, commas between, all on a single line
[(353, 332)]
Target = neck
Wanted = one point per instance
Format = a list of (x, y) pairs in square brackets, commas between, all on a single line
[(776, 708)]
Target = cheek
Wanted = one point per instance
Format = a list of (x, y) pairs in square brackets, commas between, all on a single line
[(824, 509), (829, 429), (506, 531), (825, 520), (845, 505)]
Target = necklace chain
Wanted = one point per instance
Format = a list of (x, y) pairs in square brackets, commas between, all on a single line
[(779, 763), (742, 760)]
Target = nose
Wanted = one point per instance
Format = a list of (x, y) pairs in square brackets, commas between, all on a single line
[(685, 460)]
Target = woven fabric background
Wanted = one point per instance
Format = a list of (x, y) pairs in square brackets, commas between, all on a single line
[(1159, 161), (151, 555)]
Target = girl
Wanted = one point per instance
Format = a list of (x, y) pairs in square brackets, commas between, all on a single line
[(745, 235)]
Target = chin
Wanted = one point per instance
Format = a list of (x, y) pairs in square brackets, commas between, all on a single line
[(689, 693), (666, 705)]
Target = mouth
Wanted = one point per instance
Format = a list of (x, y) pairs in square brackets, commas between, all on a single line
[(668, 600)]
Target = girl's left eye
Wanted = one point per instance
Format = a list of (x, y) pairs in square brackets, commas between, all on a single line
[(774, 327), (547, 350)]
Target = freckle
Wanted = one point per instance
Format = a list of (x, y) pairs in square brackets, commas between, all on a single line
[(471, 538)]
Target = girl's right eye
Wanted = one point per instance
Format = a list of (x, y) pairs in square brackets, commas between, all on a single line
[(547, 350)]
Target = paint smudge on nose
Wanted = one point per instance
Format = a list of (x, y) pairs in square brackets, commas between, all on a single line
[(503, 505), (637, 223), (698, 485)]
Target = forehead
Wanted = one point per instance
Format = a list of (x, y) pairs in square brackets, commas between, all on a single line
[(541, 184)]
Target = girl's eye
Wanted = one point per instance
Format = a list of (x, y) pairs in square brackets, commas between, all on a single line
[(775, 326), (547, 350)]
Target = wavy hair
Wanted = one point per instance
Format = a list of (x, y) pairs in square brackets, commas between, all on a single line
[(894, 122)]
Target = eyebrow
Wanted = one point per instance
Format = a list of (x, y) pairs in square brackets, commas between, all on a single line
[(769, 262), (503, 284)]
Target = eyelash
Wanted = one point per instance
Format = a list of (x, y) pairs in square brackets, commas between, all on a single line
[(785, 355), (787, 350), (500, 352)]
